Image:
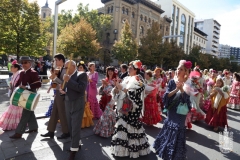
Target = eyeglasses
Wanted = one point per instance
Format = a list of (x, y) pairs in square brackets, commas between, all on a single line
[(24, 62)]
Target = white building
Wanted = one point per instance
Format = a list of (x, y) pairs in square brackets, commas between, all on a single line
[(182, 22), (199, 39), (224, 51), (212, 28)]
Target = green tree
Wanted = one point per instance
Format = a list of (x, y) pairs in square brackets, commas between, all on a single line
[(150, 50), (126, 49), (20, 25), (79, 39)]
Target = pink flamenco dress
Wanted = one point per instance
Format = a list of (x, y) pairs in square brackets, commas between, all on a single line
[(234, 100), (105, 125), (151, 113), (92, 94), (11, 117)]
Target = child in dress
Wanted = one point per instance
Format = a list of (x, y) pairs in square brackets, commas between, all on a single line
[(217, 113), (105, 125)]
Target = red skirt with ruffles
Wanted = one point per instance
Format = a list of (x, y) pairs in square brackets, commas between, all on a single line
[(105, 99), (215, 119)]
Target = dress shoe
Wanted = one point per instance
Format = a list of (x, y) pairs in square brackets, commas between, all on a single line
[(16, 136), (31, 131), (72, 155), (69, 150), (64, 136), (49, 134)]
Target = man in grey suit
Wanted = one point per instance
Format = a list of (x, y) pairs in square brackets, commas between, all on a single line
[(74, 91), (58, 111)]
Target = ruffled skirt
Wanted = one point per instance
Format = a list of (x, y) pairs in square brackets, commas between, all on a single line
[(170, 143), (87, 116), (10, 118), (151, 113), (215, 119), (49, 112), (234, 103), (105, 125), (94, 106)]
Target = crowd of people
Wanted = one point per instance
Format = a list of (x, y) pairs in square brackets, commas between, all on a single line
[(130, 97)]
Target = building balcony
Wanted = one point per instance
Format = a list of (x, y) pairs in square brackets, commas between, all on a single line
[(214, 45), (215, 50), (216, 26), (215, 37)]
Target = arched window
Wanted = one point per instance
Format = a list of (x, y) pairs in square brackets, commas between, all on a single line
[(141, 30), (133, 14), (112, 9), (108, 9), (123, 10), (44, 15), (145, 19), (127, 11), (182, 30), (141, 17), (160, 26), (149, 20)]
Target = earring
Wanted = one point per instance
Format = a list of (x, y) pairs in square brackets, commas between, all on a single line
[(185, 76)]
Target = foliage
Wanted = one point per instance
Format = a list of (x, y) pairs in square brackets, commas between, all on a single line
[(20, 25), (126, 49), (79, 39)]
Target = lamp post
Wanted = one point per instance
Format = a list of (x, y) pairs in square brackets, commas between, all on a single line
[(55, 25)]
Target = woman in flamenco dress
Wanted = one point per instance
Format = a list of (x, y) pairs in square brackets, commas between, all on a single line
[(92, 91), (171, 141), (10, 118), (107, 86), (234, 101), (151, 113), (129, 138), (217, 112), (87, 115)]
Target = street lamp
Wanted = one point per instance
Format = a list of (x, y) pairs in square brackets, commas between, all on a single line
[(55, 25), (115, 32)]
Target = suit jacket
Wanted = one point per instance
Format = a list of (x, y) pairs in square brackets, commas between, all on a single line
[(123, 75), (76, 86), (30, 77), (59, 80)]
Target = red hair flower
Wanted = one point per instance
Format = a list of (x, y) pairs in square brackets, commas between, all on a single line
[(137, 64), (188, 64), (14, 62)]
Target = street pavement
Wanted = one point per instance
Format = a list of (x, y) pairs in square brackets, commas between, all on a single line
[(202, 141)]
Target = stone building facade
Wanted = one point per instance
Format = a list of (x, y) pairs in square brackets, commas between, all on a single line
[(139, 13)]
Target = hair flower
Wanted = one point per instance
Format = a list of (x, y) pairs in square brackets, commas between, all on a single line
[(14, 62), (188, 64), (137, 64)]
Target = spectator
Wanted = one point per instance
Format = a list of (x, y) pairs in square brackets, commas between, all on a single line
[(124, 72)]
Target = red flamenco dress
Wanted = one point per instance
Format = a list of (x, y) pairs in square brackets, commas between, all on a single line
[(151, 113), (217, 117)]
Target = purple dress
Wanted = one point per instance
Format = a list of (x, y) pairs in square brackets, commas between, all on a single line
[(92, 95), (170, 143)]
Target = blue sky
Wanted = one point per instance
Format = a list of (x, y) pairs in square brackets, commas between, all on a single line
[(226, 12)]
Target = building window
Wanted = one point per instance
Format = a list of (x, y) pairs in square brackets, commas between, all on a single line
[(141, 30), (149, 20), (167, 28), (44, 15), (112, 9), (127, 11), (123, 10), (141, 17), (145, 19), (182, 32), (194, 36), (133, 14), (108, 10), (160, 26)]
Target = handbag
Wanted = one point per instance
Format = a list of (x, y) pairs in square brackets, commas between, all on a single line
[(127, 106), (182, 109)]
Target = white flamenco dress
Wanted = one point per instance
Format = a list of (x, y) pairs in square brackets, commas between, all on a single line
[(129, 138)]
